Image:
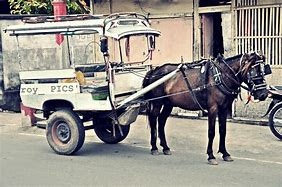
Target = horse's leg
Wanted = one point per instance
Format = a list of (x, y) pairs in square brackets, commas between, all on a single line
[(211, 133), (162, 121), (152, 115), (222, 115)]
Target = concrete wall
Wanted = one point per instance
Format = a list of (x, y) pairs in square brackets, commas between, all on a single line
[(39, 52), (175, 42), (9, 99), (154, 7), (227, 33)]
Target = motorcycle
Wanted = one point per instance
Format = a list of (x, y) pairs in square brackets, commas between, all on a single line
[(275, 111)]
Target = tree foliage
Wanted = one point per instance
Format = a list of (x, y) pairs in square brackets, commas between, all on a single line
[(40, 7)]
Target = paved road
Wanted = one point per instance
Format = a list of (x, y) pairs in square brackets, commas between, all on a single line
[(27, 160)]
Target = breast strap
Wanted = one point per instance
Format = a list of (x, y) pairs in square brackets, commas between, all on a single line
[(223, 87), (182, 70)]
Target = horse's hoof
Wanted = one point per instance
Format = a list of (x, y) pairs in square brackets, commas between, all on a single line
[(167, 152), (154, 152), (212, 162), (228, 159)]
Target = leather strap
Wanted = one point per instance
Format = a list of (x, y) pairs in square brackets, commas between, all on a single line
[(182, 70), (217, 75)]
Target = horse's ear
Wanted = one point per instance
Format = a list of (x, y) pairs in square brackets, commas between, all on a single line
[(219, 57), (262, 56), (246, 56)]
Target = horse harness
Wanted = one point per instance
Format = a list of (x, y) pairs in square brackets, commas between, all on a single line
[(212, 67), (182, 70), (221, 84), (216, 72)]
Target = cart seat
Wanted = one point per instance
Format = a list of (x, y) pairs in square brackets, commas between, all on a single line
[(90, 68)]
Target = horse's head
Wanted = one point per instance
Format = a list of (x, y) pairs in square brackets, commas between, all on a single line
[(253, 70)]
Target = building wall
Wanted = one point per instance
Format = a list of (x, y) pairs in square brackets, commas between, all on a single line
[(174, 20), (257, 29), (39, 52), (176, 40), (8, 100), (153, 7)]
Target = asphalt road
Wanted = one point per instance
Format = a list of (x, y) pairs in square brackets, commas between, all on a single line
[(27, 160)]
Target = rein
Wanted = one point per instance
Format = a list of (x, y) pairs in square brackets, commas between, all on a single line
[(177, 93), (218, 71)]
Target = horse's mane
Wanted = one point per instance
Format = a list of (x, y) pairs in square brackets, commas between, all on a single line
[(232, 58), (149, 76)]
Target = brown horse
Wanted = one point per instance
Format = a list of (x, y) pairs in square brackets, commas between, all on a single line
[(206, 85)]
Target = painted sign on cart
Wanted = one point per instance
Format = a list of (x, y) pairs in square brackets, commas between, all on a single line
[(49, 88)]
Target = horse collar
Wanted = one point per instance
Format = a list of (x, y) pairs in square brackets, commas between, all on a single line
[(220, 83)]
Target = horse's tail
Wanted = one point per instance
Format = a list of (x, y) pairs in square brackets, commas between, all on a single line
[(148, 77)]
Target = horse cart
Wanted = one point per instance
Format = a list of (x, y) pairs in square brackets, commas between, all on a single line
[(105, 93)]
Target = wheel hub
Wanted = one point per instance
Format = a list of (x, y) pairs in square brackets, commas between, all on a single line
[(63, 132)]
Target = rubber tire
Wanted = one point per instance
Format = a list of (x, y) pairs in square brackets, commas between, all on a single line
[(77, 132), (104, 132), (271, 121)]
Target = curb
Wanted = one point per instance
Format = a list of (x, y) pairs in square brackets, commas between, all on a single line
[(247, 121)]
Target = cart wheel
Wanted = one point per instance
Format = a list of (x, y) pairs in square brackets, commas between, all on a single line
[(65, 132), (275, 120), (105, 132)]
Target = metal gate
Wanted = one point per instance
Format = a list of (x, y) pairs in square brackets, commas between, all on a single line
[(259, 28)]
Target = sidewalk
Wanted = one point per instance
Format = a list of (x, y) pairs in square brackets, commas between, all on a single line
[(241, 120), (13, 120)]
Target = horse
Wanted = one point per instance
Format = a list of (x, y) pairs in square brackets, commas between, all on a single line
[(208, 85)]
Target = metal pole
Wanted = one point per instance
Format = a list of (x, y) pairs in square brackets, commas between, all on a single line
[(60, 9), (111, 6), (92, 7), (150, 87)]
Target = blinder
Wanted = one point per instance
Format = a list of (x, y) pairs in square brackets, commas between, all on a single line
[(267, 69), (255, 76)]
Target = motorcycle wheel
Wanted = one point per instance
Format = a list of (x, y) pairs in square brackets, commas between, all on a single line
[(275, 120)]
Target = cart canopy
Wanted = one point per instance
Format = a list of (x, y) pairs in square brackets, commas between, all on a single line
[(117, 27)]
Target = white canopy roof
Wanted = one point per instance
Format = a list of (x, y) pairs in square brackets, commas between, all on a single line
[(116, 28), (122, 31), (95, 25)]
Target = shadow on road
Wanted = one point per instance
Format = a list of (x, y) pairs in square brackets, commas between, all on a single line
[(96, 148)]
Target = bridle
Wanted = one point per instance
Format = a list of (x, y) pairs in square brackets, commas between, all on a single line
[(254, 74)]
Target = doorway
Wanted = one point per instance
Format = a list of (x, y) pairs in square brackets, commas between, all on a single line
[(211, 35)]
